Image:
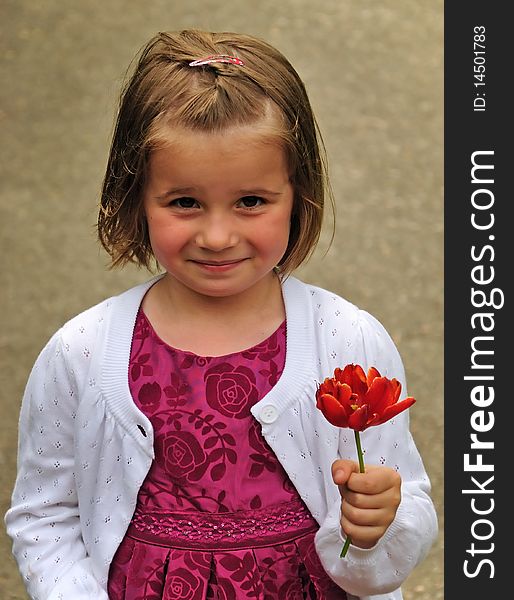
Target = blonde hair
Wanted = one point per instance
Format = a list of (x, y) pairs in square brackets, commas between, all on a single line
[(164, 91)]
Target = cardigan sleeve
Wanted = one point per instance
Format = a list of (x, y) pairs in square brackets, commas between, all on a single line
[(43, 520), (383, 568)]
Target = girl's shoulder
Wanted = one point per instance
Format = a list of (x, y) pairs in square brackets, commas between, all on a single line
[(75, 356), (327, 299), (326, 304), (126, 302), (340, 323), (81, 333)]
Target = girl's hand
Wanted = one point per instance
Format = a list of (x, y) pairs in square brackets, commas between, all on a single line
[(369, 500)]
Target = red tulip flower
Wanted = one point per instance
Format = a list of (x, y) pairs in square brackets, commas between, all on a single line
[(355, 400)]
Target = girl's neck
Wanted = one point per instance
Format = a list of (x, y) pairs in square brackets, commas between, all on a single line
[(214, 326)]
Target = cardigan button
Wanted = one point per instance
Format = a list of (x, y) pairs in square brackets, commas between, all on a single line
[(269, 414)]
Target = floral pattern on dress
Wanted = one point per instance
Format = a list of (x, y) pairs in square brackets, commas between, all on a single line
[(211, 459), (230, 389)]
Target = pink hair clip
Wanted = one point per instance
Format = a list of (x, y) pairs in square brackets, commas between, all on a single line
[(220, 58)]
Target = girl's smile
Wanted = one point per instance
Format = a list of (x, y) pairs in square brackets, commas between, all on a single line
[(219, 266), (218, 208)]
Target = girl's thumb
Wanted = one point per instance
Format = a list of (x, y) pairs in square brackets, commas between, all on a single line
[(342, 469)]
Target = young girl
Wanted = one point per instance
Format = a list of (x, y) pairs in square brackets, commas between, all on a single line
[(170, 446)]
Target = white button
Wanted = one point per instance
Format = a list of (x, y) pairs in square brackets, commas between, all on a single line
[(269, 414)]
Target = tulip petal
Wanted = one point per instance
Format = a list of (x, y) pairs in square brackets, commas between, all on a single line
[(375, 419), (338, 375), (372, 373), (344, 375), (343, 394), (332, 409), (397, 387), (358, 419), (355, 377), (395, 409), (327, 387), (380, 395)]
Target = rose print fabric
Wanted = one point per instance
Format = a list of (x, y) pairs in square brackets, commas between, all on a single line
[(217, 516)]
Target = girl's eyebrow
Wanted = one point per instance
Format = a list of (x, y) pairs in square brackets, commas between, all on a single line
[(243, 192), (259, 191), (178, 190)]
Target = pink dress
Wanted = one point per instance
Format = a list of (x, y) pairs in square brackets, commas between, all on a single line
[(217, 516)]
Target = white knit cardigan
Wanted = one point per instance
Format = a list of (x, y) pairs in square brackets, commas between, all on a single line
[(85, 448)]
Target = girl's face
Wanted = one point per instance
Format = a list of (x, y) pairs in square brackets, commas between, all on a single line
[(218, 207)]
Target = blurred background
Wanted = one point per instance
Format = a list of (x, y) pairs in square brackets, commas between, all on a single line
[(374, 73)]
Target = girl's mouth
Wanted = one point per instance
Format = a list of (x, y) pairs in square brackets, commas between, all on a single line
[(219, 266)]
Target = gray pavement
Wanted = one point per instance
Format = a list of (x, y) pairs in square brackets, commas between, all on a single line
[(374, 71)]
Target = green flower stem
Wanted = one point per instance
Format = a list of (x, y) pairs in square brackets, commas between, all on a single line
[(361, 470), (359, 451)]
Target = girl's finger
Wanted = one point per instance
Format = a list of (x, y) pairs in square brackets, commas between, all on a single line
[(371, 517), (374, 481), (390, 497)]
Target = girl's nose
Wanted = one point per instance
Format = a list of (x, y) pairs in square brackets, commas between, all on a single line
[(217, 234)]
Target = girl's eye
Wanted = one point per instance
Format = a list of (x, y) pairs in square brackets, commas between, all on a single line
[(184, 202), (251, 201)]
